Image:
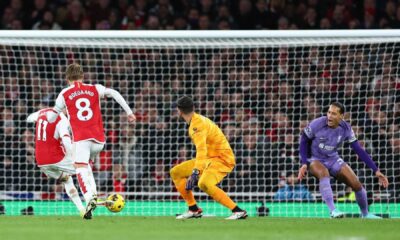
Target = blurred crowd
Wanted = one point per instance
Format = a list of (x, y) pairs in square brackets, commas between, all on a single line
[(199, 14), (262, 98)]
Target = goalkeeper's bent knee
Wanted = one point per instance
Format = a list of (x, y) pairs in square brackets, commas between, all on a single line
[(203, 185), (173, 173)]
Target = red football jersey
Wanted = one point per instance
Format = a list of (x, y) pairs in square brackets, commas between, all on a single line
[(48, 149), (83, 106)]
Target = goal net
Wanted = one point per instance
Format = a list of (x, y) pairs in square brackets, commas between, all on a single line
[(261, 88)]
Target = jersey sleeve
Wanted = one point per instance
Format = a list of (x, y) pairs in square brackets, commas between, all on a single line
[(349, 136), (311, 129), (33, 117), (63, 132), (63, 127), (60, 103), (101, 90), (108, 92), (58, 108)]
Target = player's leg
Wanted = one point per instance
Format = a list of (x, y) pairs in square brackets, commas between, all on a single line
[(66, 168), (81, 158), (213, 174), (179, 175), (208, 183), (55, 172), (72, 193), (318, 170), (92, 180), (95, 150), (348, 177), (81, 162)]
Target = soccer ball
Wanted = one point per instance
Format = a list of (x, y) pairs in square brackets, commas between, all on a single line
[(115, 202)]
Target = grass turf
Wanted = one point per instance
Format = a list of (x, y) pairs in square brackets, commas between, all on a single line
[(147, 228)]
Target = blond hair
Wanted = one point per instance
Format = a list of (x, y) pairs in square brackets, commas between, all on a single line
[(74, 72)]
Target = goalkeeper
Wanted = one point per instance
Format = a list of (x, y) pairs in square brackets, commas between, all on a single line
[(214, 160)]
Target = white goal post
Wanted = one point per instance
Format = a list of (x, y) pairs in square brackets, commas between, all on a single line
[(260, 87)]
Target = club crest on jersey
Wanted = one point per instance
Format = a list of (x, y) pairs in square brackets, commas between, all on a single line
[(194, 129), (308, 131), (339, 138)]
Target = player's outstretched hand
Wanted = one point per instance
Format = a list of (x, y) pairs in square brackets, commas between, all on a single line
[(192, 180), (302, 172), (131, 118), (383, 181)]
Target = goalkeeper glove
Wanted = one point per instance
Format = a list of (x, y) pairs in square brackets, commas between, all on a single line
[(192, 180)]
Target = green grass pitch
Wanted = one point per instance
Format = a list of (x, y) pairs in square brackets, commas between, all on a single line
[(212, 228)]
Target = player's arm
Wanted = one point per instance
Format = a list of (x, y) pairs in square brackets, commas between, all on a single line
[(63, 132), (56, 110), (366, 158), (199, 137), (303, 151), (108, 92), (363, 155), (304, 146), (33, 117), (358, 149)]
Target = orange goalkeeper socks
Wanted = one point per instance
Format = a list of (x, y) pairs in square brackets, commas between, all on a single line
[(186, 195), (220, 196)]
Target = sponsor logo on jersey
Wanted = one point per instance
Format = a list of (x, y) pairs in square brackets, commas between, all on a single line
[(326, 147)]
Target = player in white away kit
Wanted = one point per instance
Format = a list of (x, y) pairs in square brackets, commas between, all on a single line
[(82, 102), (53, 150)]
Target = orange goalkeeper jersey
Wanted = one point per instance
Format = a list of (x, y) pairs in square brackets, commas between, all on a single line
[(211, 144)]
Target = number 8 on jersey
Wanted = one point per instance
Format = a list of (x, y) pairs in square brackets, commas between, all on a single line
[(83, 105), (84, 111)]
